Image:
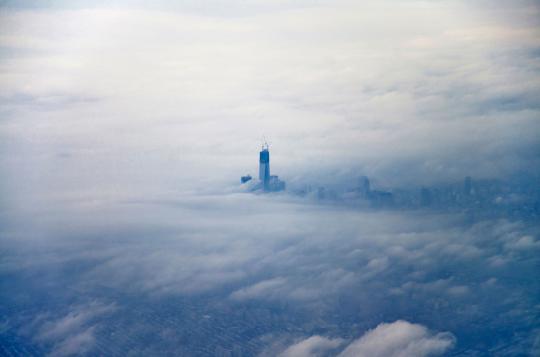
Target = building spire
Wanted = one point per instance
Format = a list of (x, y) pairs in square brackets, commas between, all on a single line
[(264, 145)]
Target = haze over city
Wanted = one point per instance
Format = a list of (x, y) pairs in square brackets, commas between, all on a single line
[(269, 178)]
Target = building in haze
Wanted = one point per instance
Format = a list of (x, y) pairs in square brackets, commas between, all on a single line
[(467, 186), (363, 186)]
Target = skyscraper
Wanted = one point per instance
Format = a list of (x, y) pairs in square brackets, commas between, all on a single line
[(467, 186), (264, 165), (267, 182), (363, 186)]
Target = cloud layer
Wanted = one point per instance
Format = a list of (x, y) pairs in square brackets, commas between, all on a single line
[(258, 274)]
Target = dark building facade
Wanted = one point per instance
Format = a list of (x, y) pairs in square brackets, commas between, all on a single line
[(264, 166)]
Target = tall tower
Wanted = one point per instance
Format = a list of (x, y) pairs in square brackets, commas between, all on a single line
[(363, 186), (467, 186), (264, 164)]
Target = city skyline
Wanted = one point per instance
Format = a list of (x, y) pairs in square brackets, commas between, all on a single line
[(139, 214)]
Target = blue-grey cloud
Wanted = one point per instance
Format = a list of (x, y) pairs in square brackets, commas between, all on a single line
[(330, 271)]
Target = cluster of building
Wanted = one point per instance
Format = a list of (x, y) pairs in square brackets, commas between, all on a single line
[(509, 198)]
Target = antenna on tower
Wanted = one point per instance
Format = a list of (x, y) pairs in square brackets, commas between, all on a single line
[(265, 144)]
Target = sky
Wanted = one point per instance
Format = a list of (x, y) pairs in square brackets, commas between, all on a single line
[(100, 97), (124, 130)]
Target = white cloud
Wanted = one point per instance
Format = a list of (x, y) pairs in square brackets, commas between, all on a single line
[(260, 289), (76, 344), (73, 333), (523, 243), (312, 347), (399, 339), (76, 319)]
